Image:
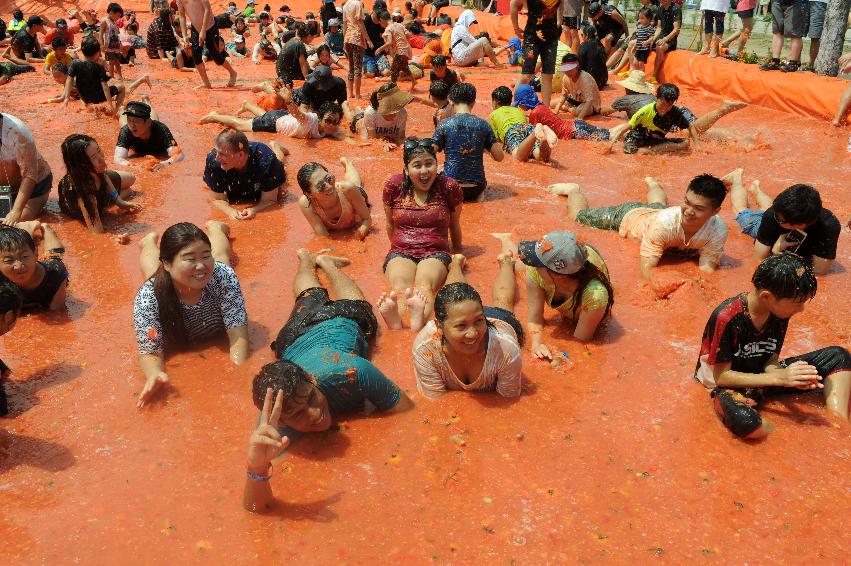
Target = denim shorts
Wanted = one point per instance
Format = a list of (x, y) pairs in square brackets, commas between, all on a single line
[(444, 257), (749, 221), (375, 65), (266, 122)]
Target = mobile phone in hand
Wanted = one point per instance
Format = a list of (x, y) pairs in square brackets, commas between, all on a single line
[(5, 200), (796, 237)]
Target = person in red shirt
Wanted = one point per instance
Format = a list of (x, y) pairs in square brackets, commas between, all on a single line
[(423, 211), (526, 99)]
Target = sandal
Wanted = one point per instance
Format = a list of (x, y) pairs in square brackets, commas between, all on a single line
[(771, 65), (791, 66)]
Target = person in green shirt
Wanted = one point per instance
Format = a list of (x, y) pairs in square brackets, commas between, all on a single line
[(519, 138)]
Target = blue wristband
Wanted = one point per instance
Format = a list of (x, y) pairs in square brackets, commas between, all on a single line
[(257, 477)]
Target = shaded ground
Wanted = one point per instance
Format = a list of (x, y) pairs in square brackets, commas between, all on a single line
[(620, 459)]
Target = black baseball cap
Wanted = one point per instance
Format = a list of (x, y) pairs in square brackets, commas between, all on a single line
[(138, 110), (35, 21)]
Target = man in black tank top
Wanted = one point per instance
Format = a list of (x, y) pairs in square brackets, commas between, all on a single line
[(540, 39)]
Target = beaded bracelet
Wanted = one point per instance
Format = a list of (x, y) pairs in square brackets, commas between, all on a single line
[(258, 477)]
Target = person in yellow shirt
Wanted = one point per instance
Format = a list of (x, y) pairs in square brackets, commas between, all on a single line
[(58, 55)]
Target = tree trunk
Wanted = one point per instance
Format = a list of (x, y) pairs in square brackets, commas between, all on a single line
[(832, 37)]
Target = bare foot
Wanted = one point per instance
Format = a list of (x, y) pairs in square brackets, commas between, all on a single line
[(306, 256), (416, 302), (550, 137), (147, 80), (460, 260), (539, 132), (216, 224), (278, 147), (734, 105), (836, 123), (332, 261), (146, 99), (241, 109), (121, 239), (506, 259), (32, 227), (733, 175), (754, 187), (389, 309), (149, 239), (563, 189), (209, 118)]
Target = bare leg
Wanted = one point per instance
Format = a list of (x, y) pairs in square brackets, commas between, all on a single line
[(351, 175), (836, 390), (546, 88), (242, 124), (763, 201), (279, 150), (505, 285), (576, 201), (544, 149), (305, 277), (524, 150), (219, 242), (738, 194), (661, 52), (655, 192), (796, 45), (127, 182), (34, 207), (249, 107), (149, 257), (202, 72), (429, 278), (231, 72), (147, 100), (708, 120), (731, 39), (143, 80), (342, 286), (119, 98), (456, 270), (844, 105), (400, 273)]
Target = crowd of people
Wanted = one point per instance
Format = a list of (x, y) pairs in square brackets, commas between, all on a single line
[(321, 368)]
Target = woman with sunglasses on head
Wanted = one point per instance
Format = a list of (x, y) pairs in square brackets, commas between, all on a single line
[(423, 211), (331, 205), (191, 294), (569, 276)]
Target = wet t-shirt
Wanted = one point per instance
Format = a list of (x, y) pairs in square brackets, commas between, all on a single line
[(23, 43), (263, 172), (288, 64), (55, 276), (377, 126), (821, 238), (157, 144), (420, 231), (89, 78), (334, 352), (730, 336), (503, 118), (464, 138), (668, 16), (592, 59), (648, 121), (542, 18)]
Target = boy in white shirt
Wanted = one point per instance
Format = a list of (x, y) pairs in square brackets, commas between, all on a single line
[(694, 226)]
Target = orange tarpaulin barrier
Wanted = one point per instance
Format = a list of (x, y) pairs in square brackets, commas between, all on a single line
[(805, 94)]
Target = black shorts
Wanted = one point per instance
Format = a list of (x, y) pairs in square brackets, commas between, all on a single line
[(672, 45), (572, 22), (441, 4), (444, 257), (546, 50), (745, 14), (313, 306), (742, 419), (636, 139), (266, 122), (642, 55), (616, 36), (508, 317), (472, 192), (211, 42)]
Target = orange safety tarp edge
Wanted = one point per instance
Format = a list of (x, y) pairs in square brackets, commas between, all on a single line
[(799, 93)]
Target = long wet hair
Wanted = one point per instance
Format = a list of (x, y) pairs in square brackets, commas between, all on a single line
[(78, 181), (174, 239), (786, 276), (583, 278), (305, 173)]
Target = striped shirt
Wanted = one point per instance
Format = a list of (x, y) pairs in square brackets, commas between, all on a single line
[(221, 307)]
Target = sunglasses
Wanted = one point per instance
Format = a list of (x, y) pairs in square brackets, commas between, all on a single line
[(425, 143)]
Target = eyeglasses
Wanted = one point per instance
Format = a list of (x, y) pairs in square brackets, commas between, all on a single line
[(326, 183), (414, 143)]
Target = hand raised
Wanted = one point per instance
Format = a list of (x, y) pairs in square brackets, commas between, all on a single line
[(266, 442)]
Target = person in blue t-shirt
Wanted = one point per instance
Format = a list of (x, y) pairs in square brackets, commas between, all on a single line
[(464, 138), (239, 171), (320, 372)]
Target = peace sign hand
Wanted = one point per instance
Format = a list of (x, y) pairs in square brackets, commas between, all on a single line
[(266, 442)]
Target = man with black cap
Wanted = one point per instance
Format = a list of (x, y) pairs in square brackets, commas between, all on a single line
[(610, 24), (143, 134), (540, 39), (25, 46), (321, 87)]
